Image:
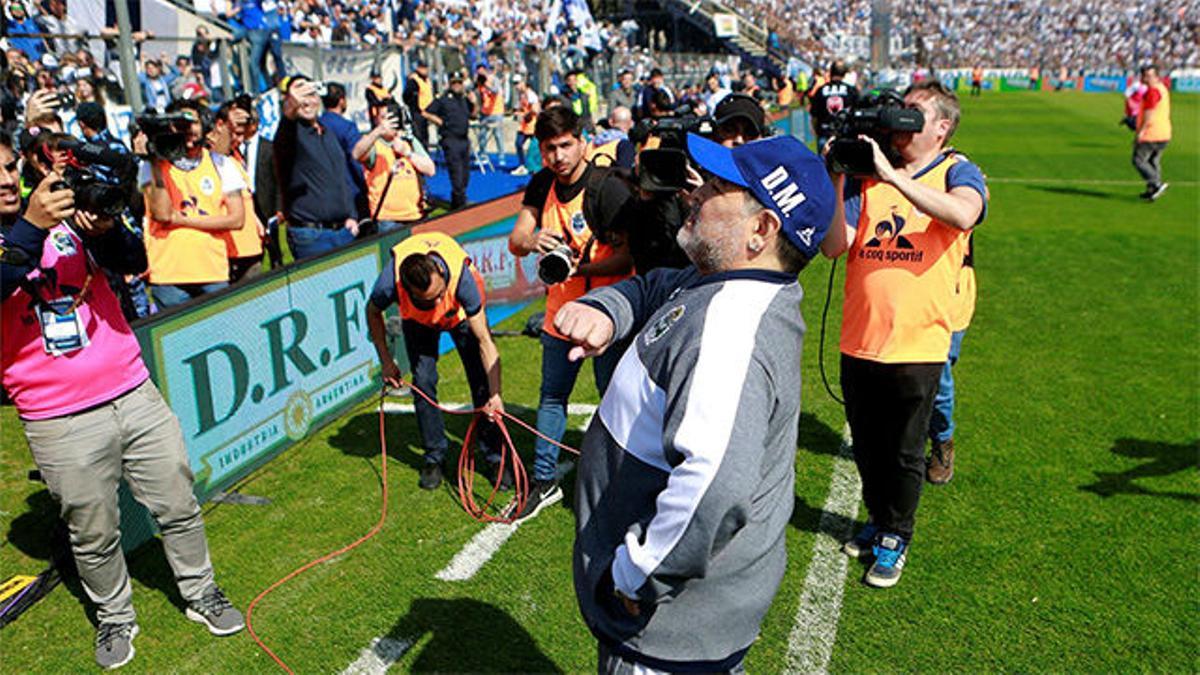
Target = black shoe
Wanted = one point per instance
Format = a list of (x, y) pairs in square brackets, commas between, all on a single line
[(431, 476), (541, 495), (1158, 191)]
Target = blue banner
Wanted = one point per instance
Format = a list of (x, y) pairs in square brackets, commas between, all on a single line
[(1103, 83)]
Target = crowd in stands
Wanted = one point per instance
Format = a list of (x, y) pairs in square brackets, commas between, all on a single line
[(1072, 34)]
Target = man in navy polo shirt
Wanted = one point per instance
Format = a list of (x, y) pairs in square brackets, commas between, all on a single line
[(310, 167)]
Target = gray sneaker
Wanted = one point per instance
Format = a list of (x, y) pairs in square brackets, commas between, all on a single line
[(114, 644), (216, 612)]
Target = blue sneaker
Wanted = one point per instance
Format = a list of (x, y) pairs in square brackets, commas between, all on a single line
[(860, 546), (890, 553)]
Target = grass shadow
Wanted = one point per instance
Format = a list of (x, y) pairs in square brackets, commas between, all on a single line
[(40, 534), (466, 634), (1072, 191), (1165, 459), (818, 437), (819, 521)]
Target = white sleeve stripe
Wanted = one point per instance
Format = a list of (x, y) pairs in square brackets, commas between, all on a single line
[(634, 419), (726, 346)]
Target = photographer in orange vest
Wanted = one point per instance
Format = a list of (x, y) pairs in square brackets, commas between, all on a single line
[(245, 244), (192, 204), (570, 217), (393, 165), (438, 289), (906, 234), (1153, 133)]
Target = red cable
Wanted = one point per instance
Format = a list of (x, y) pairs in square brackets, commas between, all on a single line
[(466, 467)]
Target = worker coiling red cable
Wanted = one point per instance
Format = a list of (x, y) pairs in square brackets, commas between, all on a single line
[(466, 466)]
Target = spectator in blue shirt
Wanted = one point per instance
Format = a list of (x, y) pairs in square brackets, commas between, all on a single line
[(19, 22), (334, 119), (156, 85)]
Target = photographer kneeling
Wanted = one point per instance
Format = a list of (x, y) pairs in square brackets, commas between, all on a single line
[(568, 217), (906, 230), (90, 413)]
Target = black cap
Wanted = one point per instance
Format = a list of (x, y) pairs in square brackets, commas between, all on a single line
[(91, 114), (741, 105)]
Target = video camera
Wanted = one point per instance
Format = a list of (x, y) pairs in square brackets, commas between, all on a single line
[(664, 169), (167, 134), (881, 115), (99, 177)]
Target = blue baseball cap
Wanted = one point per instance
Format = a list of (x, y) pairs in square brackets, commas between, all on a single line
[(783, 175)]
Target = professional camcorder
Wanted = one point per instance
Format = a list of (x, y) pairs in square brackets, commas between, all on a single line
[(167, 134), (880, 115), (664, 168), (99, 177)]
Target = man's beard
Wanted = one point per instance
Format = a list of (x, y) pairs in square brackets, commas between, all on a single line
[(708, 254)]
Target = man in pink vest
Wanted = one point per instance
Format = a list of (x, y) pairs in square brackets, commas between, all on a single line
[(73, 368)]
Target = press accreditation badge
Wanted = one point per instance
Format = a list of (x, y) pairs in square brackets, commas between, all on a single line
[(62, 329)]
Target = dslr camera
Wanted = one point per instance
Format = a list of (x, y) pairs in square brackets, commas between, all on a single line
[(881, 115), (556, 266), (167, 133), (99, 177)]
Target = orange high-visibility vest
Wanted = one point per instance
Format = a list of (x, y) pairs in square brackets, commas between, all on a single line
[(566, 221), (403, 203), (902, 272), (447, 311), (186, 255), (1155, 124)]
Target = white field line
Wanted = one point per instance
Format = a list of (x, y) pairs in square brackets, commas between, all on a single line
[(477, 552), (814, 630), (378, 657), (1081, 181)]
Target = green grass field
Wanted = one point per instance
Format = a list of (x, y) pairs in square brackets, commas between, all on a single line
[(1065, 543)]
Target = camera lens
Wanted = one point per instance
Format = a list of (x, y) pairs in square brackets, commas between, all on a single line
[(555, 266)]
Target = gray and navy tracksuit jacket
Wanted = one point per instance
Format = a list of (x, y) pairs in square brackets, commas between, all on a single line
[(685, 483)]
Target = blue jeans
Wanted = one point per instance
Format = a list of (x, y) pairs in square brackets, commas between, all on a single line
[(392, 225), (307, 242), (941, 422), (558, 379), (491, 128), (522, 139), (260, 41), (421, 344), (168, 296)]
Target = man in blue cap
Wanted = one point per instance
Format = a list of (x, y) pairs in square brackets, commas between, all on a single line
[(685, 481)]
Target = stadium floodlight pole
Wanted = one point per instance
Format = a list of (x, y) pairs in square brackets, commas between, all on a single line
[(133, 88)]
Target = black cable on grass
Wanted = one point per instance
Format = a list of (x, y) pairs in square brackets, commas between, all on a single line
[(821, 346)]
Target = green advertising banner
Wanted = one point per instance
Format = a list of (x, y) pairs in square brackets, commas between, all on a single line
[(250, 373), (254, 369)]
